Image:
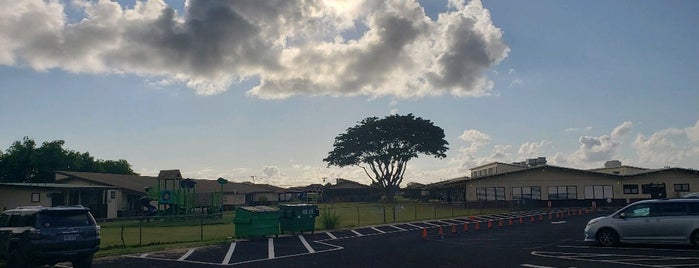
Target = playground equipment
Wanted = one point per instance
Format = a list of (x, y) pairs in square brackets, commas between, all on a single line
[(178, 196)]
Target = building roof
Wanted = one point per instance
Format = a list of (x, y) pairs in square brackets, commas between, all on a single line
[(139, 183), (170, 174), (497, 163), (55, 186)]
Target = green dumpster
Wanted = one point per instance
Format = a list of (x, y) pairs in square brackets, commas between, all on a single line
[(256, 221), (297, 218)]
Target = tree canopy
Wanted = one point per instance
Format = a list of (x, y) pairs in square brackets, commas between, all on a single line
[(25, 162), (382, 147)]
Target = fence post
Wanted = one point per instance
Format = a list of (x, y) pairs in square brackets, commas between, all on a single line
[(140, 233), (358, 216), (201, 226), (384, 213), (415, 212), (394, 213), (435, 210)]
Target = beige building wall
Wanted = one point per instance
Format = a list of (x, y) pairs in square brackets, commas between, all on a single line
[(587, 184), (16, 197)]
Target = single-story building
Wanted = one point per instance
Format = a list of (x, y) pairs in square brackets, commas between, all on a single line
[(129, 190), (545, 185), (14, 195)]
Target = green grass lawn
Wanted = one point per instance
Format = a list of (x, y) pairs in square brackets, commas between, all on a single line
[(130, 236)]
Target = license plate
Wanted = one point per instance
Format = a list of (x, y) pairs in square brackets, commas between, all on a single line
[(72, 237)]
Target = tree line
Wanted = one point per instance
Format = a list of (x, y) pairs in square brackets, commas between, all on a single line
[(23, 161)]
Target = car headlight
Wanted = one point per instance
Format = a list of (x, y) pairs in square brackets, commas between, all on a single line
[(592, 222)]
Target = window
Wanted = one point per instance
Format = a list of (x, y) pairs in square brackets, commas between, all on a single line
[(563, 192), (36, 197), (599, 191), (672, 209), (682, 187), (526, 193), (642, 210), (630, 188), (490, 193)]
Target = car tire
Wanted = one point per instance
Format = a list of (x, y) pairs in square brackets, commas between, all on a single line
[(694, 239), (85, 262), (607, 238), (17, 259)]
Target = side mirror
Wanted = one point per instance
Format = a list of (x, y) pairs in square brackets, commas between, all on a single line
[(622, 215)]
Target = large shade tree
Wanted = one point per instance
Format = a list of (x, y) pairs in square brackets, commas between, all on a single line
[(383, 147)]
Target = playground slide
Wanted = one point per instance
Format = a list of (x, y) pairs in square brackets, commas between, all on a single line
[(145, 202)]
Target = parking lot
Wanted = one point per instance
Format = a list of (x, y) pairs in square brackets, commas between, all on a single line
[(524, 239)]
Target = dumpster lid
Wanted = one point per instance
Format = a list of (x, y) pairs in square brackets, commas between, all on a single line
[(259, 209)]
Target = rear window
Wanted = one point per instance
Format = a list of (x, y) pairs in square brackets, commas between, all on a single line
[(672, 209), (66, 218)]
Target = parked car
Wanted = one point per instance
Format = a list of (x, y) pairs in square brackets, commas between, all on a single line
[(691, 195), (48, 235), (666, 221)]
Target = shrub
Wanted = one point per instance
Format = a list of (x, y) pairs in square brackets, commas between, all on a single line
[(330, 221)]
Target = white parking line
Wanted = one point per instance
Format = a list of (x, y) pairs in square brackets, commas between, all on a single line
[(378, 230), (413, 225), (270, 248), (429, 223), (144, 255), (536, 266), (357, 233), (184, 257), (330, 235), (229, 254), (400, 229), (305, 244)]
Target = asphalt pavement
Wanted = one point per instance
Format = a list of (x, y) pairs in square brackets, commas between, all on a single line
[(536, 239)]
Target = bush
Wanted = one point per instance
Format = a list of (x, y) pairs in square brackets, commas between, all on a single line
[(330, 221)]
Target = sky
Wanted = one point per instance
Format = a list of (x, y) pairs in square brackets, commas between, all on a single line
[(257, 90)]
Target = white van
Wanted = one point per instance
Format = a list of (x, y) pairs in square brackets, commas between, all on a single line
[(665, 221)]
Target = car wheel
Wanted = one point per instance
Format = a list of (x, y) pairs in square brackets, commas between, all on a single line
[(16, 259), (607, 238), (85, 262), (695, 238)]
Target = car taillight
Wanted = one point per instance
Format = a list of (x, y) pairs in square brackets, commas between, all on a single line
[(34, 233)]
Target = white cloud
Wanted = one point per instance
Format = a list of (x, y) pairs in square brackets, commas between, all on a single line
[(576, 129), (292, 46), (672, 146), (531, 149), (476, 139), (271, 171), (593, 150)]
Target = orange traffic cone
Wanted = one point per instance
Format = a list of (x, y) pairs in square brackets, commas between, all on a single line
[(532, 219), (440, 232), (587, 211), (550, 216), (424, 232), (510, 221), (500, 223), (453, 228), (478, 226), (541, 217), (466, 227), (490, 224), (520, 220)]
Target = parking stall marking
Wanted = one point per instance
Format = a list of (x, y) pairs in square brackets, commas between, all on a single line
[(184, 257), (227, 258), (636, 260), (356, 233), (330, 235), (270, 248), (377, 229), (399, 229), (305, 244)]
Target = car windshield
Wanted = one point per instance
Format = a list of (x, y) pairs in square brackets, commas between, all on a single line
[(65, 218)]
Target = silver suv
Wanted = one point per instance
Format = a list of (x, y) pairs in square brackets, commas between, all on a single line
[(48, 235), (665, 221)]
